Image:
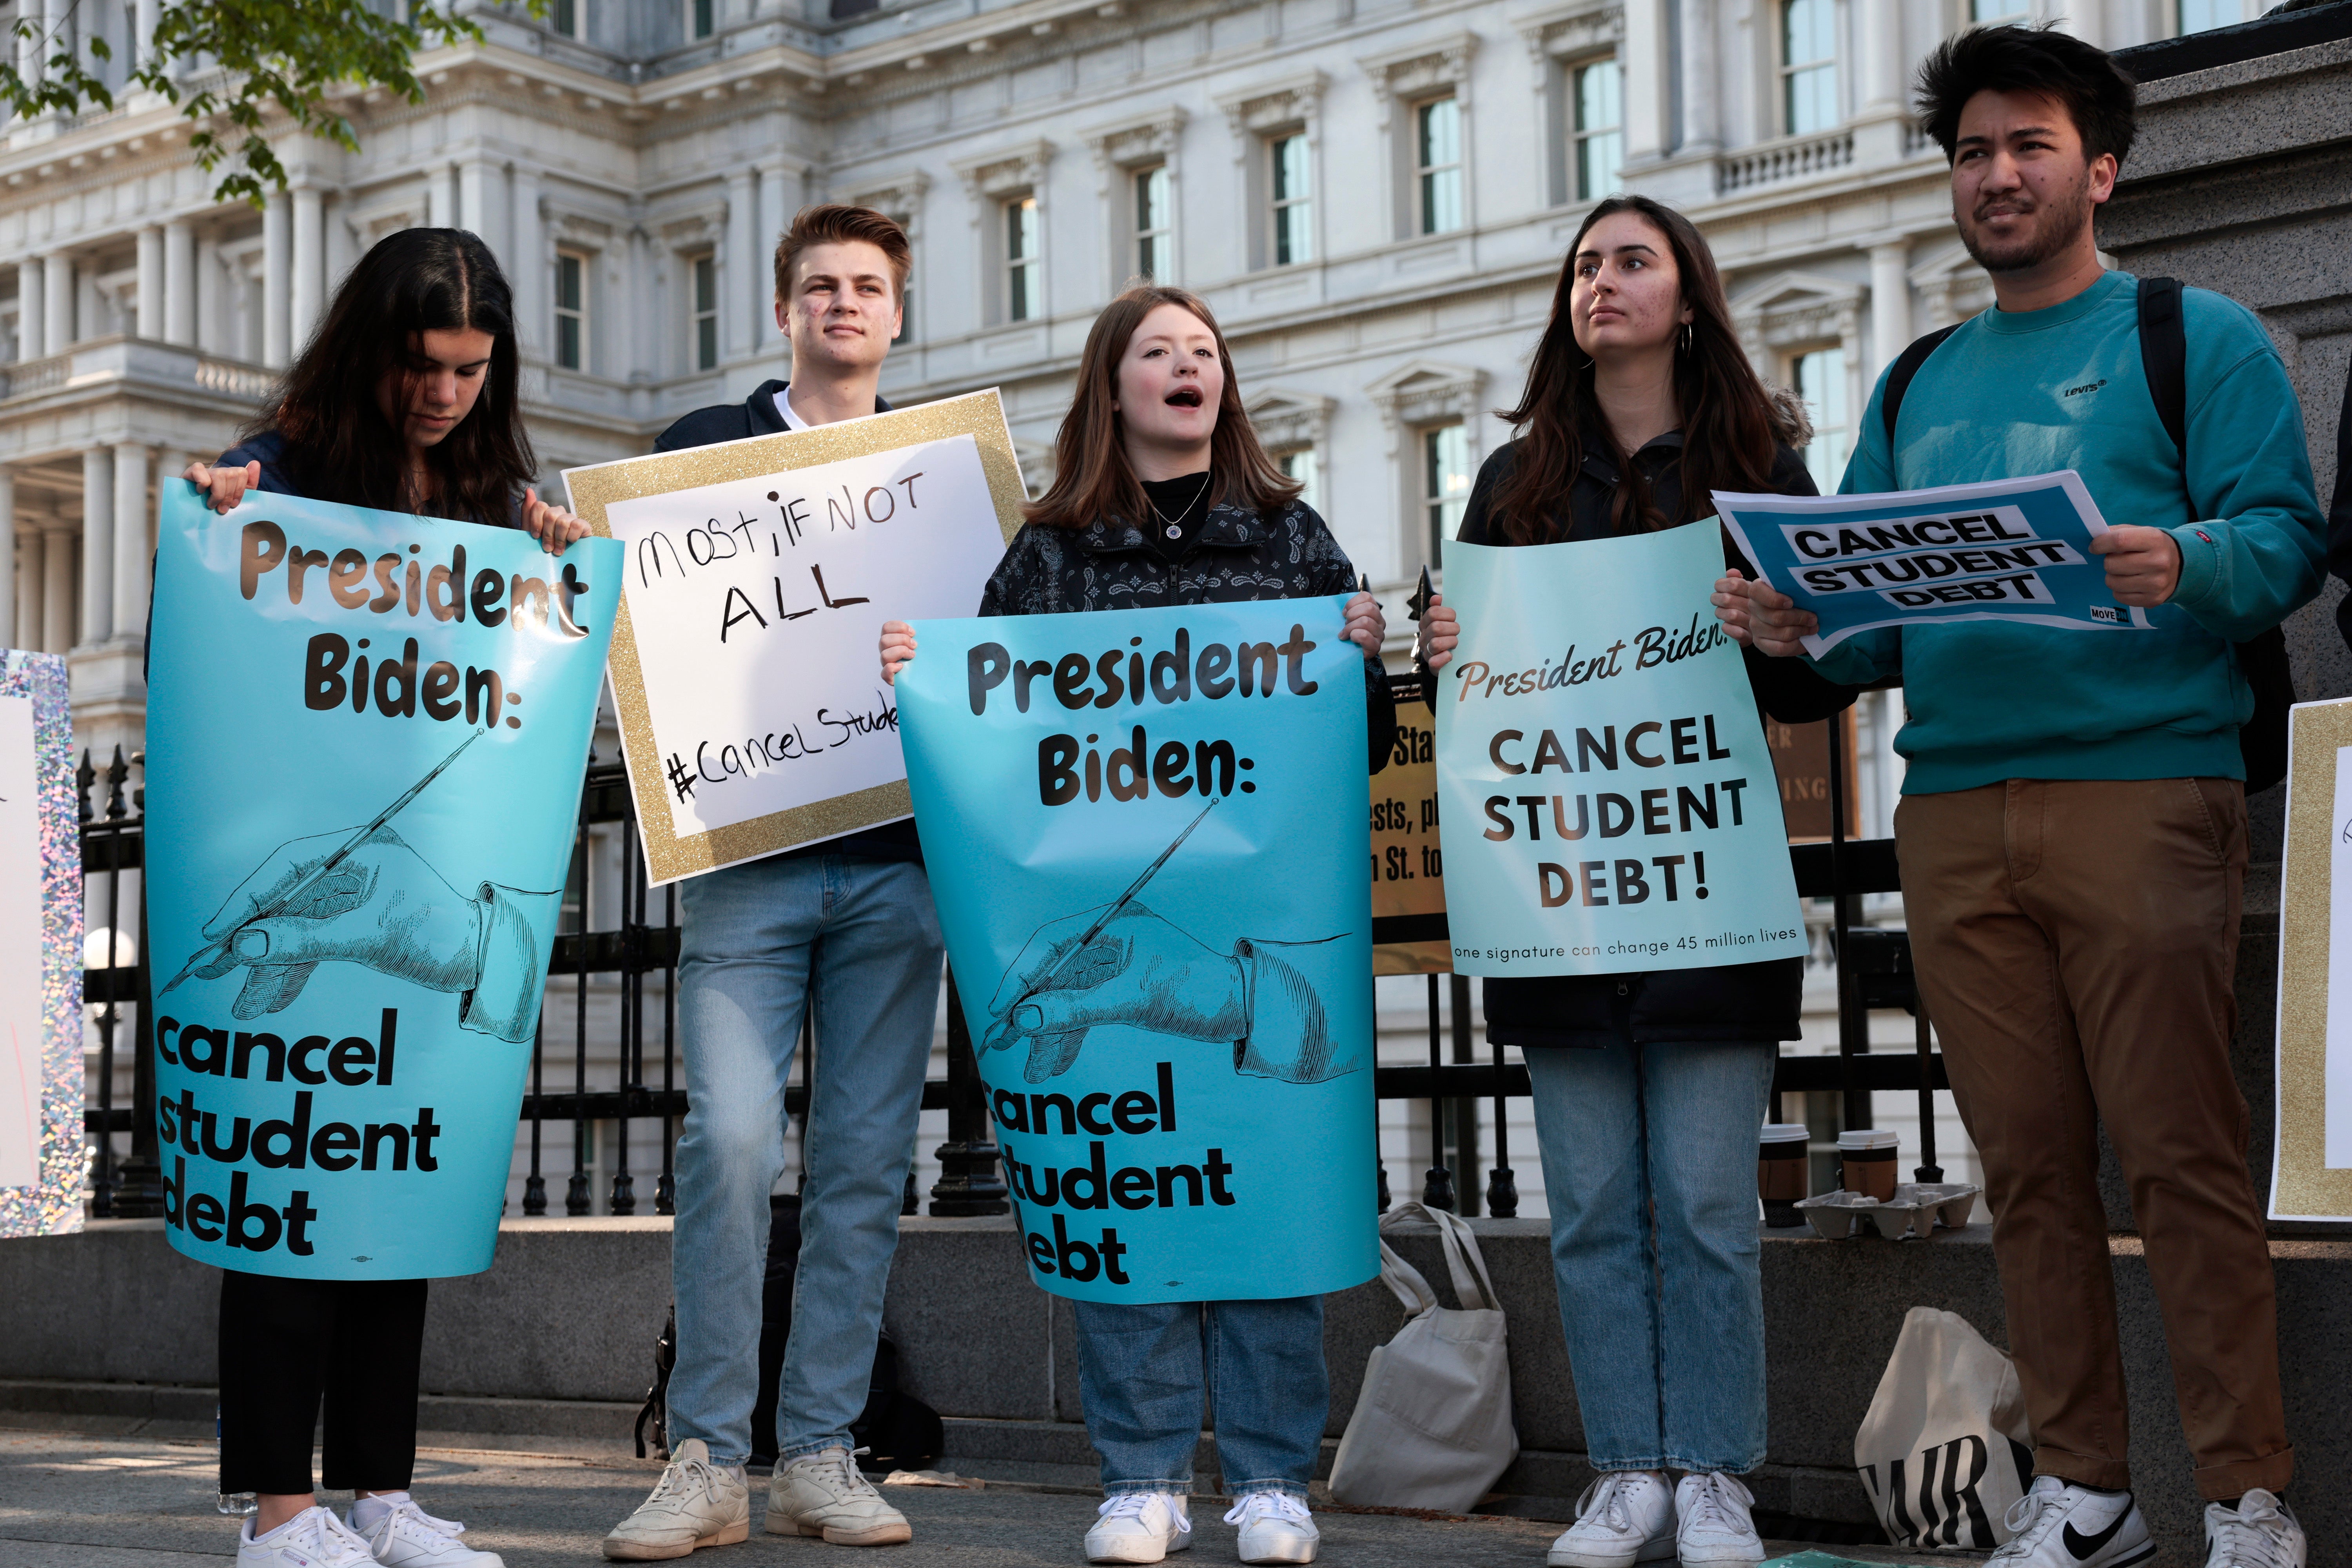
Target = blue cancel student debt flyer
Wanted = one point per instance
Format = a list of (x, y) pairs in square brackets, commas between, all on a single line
[(2008, 550)]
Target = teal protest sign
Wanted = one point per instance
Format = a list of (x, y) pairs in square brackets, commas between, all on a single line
[(1145, 833), (1606, 797), (365, 739)]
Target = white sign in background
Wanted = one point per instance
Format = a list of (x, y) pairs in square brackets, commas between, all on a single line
[(2337, 1091), (21, 1031), (758, 605)]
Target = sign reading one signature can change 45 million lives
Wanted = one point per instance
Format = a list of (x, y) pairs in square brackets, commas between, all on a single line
[(1607, 796)]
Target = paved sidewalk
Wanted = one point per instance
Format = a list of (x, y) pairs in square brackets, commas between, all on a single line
[(75, 1500)]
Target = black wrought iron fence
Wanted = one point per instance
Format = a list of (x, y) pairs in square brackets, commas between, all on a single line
[(1873, 972)]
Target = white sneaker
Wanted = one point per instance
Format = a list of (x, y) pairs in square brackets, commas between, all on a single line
[(405, 1536), (2059, 1525), (695, 1503), (824, 1494), (1625, 1517), (2260, 1532), (1713, 1528), (314, 1538), (1139, 1527), (1275, 1527)]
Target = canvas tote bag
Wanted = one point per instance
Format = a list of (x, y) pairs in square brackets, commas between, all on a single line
[(1946, 1449), (1432, 1426)]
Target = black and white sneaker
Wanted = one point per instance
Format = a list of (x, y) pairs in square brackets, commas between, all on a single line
[(2056, 1525), (2260, 1532)]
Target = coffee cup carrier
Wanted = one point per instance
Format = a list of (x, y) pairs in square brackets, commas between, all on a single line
[(1916, 1210)]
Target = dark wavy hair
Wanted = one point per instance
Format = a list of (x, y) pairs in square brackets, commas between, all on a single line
[(2099, 98), (340, 447), (1727, 431), (1093, 478)]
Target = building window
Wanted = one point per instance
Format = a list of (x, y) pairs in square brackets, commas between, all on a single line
[(563, 17), (2199, 16), (701, 19), (571, 309), (1819, 377), (1153, 259), (706, 312), (1809, 65), (1022, 298), (1437, 164), (1300, 465), (1444, 482), (1599, 132), (1292, 205), (1995, 10)]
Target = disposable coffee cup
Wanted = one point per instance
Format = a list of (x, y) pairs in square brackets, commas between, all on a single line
[(1866, 1163), (1780, 1167)]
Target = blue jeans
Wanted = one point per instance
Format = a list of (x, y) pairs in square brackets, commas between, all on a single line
[(1144, 1373), (1649, 1162), (759, 939)]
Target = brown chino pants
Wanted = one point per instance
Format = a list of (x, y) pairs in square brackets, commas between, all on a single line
[(2077, 945)]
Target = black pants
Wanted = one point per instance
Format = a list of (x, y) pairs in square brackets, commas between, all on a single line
[(283, 1343)]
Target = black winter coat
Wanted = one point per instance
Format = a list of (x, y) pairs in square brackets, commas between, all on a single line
[(1236, 556), (1733, 1002)]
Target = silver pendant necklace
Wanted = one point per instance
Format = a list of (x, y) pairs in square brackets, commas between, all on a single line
[(1174, 525)]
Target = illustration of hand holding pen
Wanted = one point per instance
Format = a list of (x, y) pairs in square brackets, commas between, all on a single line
[(1121, 964), (364, 896)]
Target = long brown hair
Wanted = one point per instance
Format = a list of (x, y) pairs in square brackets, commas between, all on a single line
[(340, 447), (1728, 429), (1092, 478)]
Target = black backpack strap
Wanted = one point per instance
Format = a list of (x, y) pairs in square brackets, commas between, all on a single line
[(2164, 355), (1906, 365)]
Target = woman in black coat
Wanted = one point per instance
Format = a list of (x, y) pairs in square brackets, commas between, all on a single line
[(1650, 1086)]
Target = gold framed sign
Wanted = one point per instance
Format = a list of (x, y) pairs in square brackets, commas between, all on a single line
[(2311, 1166), (757, 577)]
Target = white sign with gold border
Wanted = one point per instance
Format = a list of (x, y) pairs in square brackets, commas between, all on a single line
[(759, 572), (2311, 1168)]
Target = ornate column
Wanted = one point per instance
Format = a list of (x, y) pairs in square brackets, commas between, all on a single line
[(151, 282), (179, 284), (1700, 90), (1890, 305), (57, 585), (25, 602), (131, 550), (529, 266), (773, 216), (208, 338), (148, 13), (306, 285), (737, 264), (1881, 118), (441, 198), (56, 303), (277, 267), (97, 546), (7, 556), (31, 343)]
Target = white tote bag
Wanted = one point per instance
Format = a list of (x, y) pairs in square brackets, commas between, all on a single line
[(1432, 1426), (1946, 1448)]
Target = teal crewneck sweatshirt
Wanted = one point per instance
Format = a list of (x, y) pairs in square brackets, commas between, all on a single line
[(2017, 392)]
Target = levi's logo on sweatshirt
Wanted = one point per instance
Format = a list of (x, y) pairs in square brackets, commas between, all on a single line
[(2091, 386)]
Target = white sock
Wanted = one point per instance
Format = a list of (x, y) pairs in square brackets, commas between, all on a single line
[(366, 1510), (264, 1535)]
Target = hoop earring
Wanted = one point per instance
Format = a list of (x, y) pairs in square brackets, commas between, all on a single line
[(1686, 337)]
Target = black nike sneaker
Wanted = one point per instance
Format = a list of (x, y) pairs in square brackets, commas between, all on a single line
[(2055, 1525)]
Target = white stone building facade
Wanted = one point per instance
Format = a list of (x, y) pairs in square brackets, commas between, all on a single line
[(1373, 195)]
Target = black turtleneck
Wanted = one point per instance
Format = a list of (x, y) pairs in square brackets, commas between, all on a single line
[(1179, 507)]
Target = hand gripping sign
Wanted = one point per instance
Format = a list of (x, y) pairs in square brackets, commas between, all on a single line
[(366, 736), (1607, 799), (2008, 550), (758, 575), (1145, 834)]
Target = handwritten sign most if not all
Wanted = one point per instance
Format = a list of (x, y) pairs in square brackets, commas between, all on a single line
[(757, 605)]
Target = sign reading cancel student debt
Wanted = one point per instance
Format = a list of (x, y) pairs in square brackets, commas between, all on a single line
[(367, 733), (758, 575), (1145, 833), (2311, 1170), (2009, 550), (1607, 796)]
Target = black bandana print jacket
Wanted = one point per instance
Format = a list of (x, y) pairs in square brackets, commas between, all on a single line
[(1238, 555)]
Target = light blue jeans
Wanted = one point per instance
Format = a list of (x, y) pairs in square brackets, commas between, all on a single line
[(759, 939), (1145, 1372), (1649, 1162)]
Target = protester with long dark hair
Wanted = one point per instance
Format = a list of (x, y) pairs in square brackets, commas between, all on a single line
[(404, 401), (1649, 1087), (1162, 496)]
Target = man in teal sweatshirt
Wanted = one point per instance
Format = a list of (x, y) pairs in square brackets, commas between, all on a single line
[(2072, 832)]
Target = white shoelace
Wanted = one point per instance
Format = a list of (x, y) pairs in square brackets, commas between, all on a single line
[(839, 1470), (2255, 1536), (1132, 1505), (1253, 1504), (1604, 1500), (331, 1538), (1718, 1503), (681, 1479), (2029, 1519), (406, 1512)]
